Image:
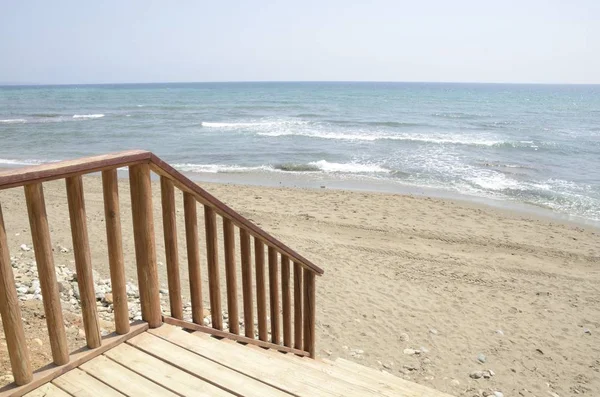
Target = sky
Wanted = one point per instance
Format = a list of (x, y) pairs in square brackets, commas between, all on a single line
[(135, 41)]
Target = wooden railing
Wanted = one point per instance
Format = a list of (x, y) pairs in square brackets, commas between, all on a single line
[(297, 327)]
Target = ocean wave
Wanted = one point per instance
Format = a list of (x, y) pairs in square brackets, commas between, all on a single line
[(13, 121), (250, 124), (21, 162), (311, 167), (46, 115), (87, 116), (461, 115)]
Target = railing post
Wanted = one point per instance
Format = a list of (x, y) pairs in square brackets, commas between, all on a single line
[(286, 301), (40, 233), (298, 306), (114, 242), (230, 275), (261, 297), (83, 260), (11, 315), (247, 283), (212, 256), (274, 296), (145, 250), (193, 254), (167, 193), (309, 313)]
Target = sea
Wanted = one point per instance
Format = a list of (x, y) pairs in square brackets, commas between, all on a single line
[(535, 147)]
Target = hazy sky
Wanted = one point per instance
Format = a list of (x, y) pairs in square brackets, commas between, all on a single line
[(527, 41)]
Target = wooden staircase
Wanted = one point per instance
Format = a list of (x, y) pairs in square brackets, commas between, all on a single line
[(166, 354), (169, 361)]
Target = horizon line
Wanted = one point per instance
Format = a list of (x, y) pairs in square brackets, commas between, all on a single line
[(23, 84)]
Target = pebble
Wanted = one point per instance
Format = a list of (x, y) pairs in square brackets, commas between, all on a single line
[(481, 358), (409, 352), (24, 247), (455, 382), (498, 394), (108, 298), (38, 341), (476, 374), (499, 332), (587, 331), (403, 337), (433, 331)]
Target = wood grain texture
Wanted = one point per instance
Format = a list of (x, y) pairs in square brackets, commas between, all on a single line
[(261, 295), (83, 260), (167, 194), (50, 371), (212, 260), (65, 169), (274, 296), (114, 240), (309, 313), (238, 338), (48, 390), (231, 276), (187, 185), (145, 249), (245, 254), (11, 315), (286, 303), (79, 384), (193, 254), (42, 245), (298, 318), (162, 372)]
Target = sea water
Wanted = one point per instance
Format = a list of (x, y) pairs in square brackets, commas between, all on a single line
[(533, 144)]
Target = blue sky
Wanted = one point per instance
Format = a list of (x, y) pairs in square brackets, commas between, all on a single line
[(528, 41)]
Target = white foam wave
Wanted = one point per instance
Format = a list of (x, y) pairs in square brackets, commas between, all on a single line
[(13, 121), (87, 116), (375, 137), (253, 124), (351, 168), (20, 162), (320, 166)]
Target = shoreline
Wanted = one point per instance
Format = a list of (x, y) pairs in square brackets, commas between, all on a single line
[(306, 181)]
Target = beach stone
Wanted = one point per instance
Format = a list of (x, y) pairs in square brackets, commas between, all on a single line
[(433, 331), (164, 291), (38, 341), (476, 374), (205, 313), (108, 298), (409, 352), (404, 337), (63, 286), (455, 382), (63, 250), (24, 247), (498, 394), (587, 331), (22, 290), (481, 358), (499, 332)]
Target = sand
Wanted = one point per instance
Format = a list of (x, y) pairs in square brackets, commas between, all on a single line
[(450, 279)]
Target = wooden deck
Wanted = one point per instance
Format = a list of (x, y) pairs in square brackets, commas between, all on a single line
[(169, 361)]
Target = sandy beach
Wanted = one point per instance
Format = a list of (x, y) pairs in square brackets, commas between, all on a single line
[(421, 287)]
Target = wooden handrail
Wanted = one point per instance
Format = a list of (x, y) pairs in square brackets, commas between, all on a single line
[(140, 165)]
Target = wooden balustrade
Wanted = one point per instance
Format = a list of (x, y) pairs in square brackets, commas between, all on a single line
[(291, 303)]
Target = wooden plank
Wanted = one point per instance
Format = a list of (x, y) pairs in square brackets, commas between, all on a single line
[(298, 306), (247, 283), (161, 372), (114, 240), (40, 233), (274, 369), (193, 254), (190, 362), (79, 384), (286, 301), (187, 185), (274, 296), (145, 249), (212, 257), (261, 297), (238, 338), (83, 260), (48, 390), (309, 313), (167, 193), (122, 379), (11, 315), (231, 276), (50, 372), (65, 169)]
